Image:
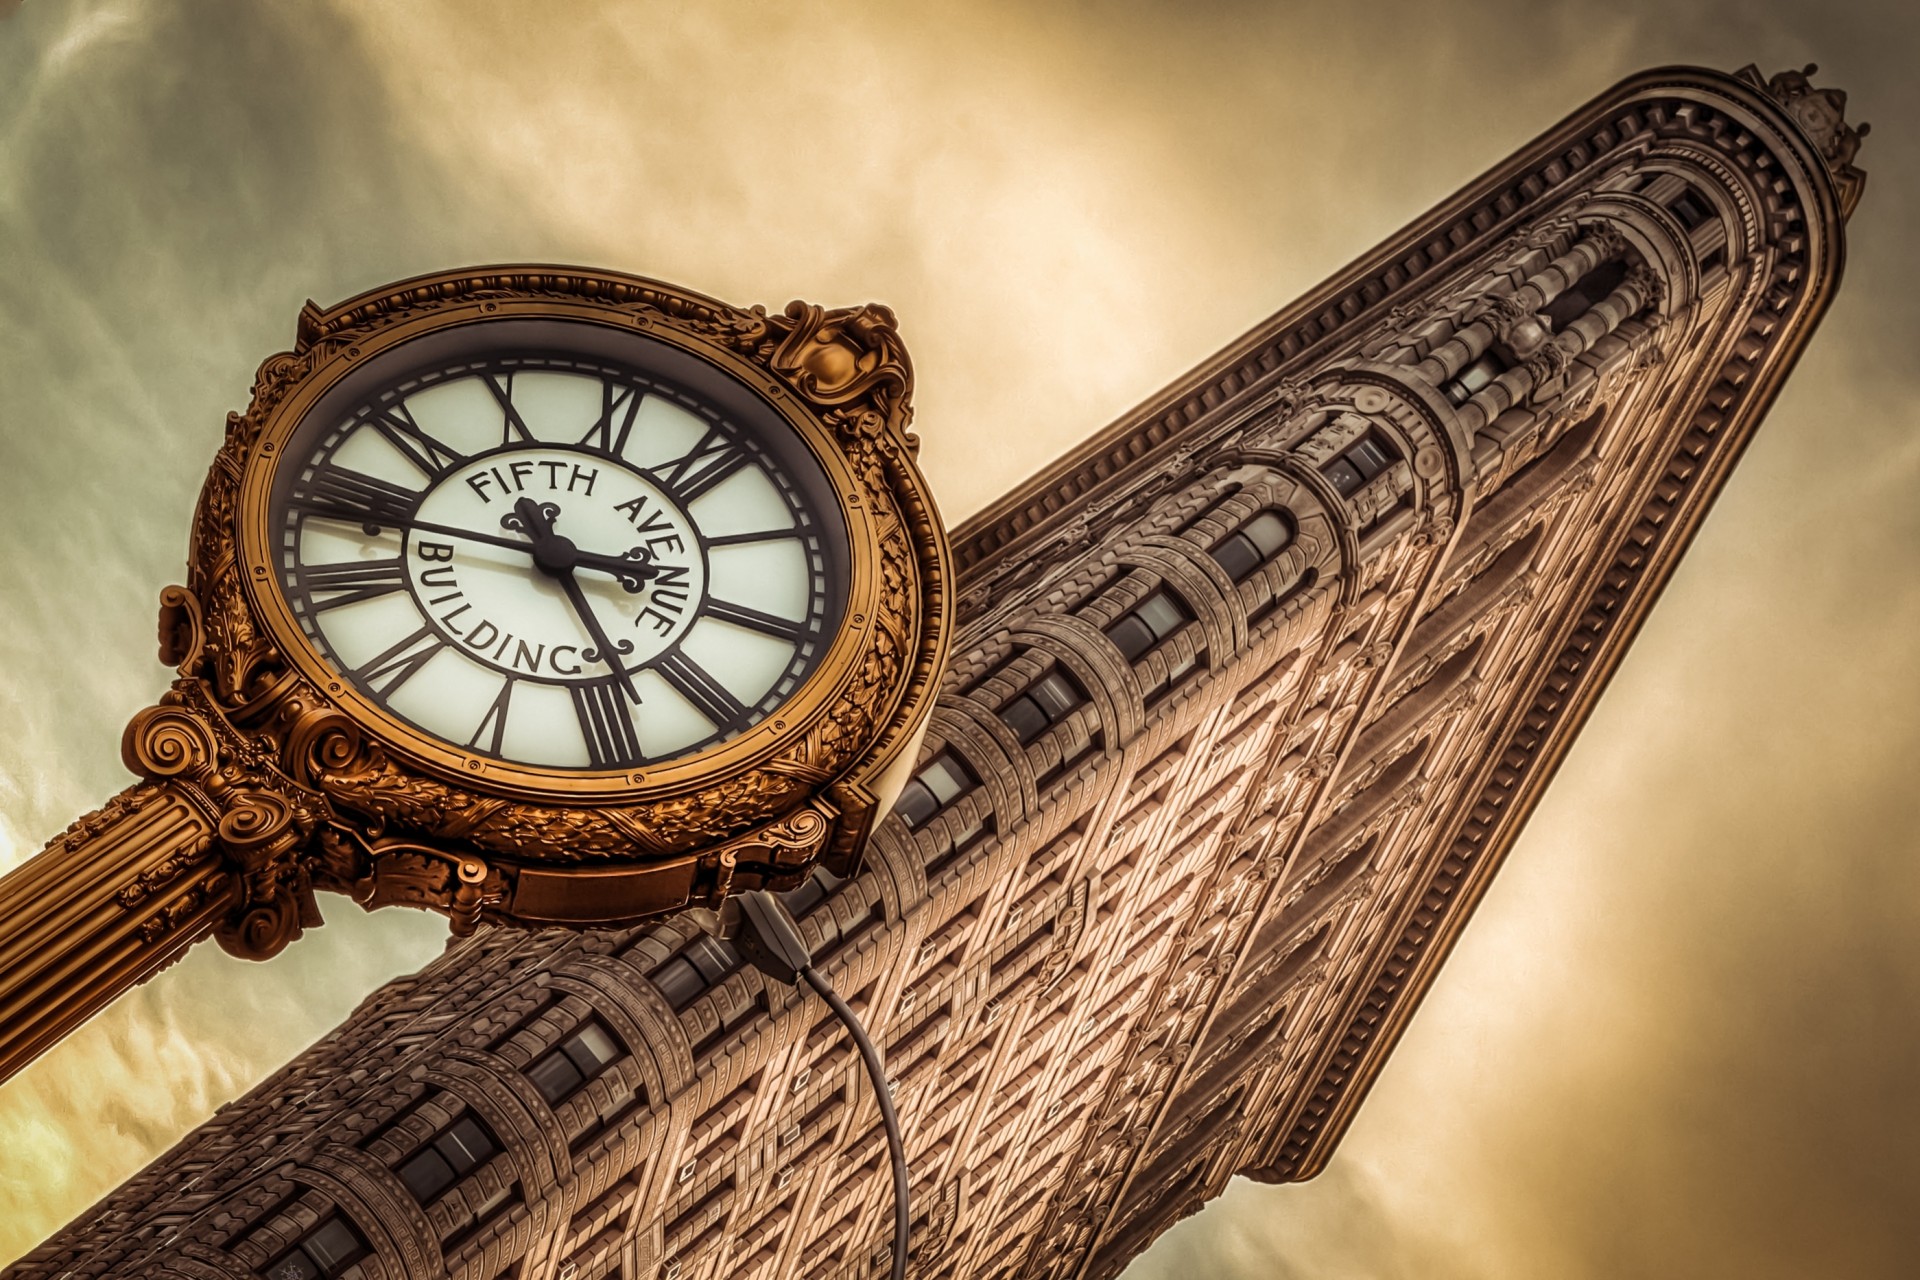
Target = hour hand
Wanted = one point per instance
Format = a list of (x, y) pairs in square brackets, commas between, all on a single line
[(555, 553)]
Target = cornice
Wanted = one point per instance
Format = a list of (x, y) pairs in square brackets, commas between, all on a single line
[(1594, 631), (1451, 233)]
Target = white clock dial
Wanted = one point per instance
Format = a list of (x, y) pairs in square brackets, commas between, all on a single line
[(561, 561)]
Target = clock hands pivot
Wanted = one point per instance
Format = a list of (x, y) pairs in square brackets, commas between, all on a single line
[(555, 555)]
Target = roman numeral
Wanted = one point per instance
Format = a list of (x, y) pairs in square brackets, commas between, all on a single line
[(606, 722), (387, 671), (705, 465), (512, 424), (754, 620), (616, 403), (352, 581), (493, 725), (423, 450), (693, 683), (340, 493)]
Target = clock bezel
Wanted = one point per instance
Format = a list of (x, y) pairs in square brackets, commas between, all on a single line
[(371, 367), (816, 699)]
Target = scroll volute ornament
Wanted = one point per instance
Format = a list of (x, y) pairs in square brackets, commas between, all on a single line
[(297, 783)]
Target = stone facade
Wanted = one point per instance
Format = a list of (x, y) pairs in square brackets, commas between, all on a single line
[(1251, 694)]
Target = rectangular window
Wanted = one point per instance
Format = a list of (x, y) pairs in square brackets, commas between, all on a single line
[(1148, 623), (1045, 701), (331, 1251), (1462, 387), (560, 1072), (704, 962), (940, 782), (1692, 208), (810, 893), (464, 1146), (1253, 544)]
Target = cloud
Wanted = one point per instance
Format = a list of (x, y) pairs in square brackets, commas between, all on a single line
[(1677, 1038)]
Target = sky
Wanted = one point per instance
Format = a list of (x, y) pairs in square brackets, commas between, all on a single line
[(1680, 1038)]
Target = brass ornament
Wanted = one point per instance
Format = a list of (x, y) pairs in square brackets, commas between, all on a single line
[(840, 377), (268, 777)]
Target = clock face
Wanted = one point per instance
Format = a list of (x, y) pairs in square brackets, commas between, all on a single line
[(552, 551)]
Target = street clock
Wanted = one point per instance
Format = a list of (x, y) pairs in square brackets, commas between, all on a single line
[(530, 595)]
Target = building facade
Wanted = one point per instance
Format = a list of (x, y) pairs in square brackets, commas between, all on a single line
[(1251, 694)]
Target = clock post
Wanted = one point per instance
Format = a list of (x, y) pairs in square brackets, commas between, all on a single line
[(534, 596)]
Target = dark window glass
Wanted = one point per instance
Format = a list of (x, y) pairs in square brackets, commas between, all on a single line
[(1148, 623), (328, 1252), (591, 1047), (1132, 636), (426, 1174), (1691, 208), (705, 961), (679, 981), (811, 892), (1024, 716), (1466, 384), (1045, 702), (465, 1145), (555, 1076), (1253, 544), (940, 781), (1368, 456), (560, 1072), (916, 803), (1578, 298), (1237, 555)]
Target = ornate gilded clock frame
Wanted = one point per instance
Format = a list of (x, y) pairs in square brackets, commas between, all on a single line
[(266, 777)]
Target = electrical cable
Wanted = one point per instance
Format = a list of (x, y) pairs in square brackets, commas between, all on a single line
[(758, 925), (896, 1146)]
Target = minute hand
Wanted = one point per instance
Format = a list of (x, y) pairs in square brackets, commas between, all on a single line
[(555, 561), (638, 570)]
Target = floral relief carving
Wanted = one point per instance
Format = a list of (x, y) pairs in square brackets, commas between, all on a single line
[(326, 805)]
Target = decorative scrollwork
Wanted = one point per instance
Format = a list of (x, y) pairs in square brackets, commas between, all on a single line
[(305, 797), (169, 742)]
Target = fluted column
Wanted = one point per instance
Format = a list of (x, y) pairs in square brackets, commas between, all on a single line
[(133, 884)]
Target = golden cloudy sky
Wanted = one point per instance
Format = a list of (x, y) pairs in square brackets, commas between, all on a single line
[(1681, 1037)]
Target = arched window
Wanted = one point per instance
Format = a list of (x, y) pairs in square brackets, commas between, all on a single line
[(1254, 543)]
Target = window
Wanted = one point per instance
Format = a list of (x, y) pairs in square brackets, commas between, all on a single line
[(1692, 208), (1253, 543), (940, 782), (559, 1073), (811, 892), (704, 961), (1364, 459), (464, 1147), (1469, 382), (1148, 623), (1046, 700), (1578, 298), (331, 1250)]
